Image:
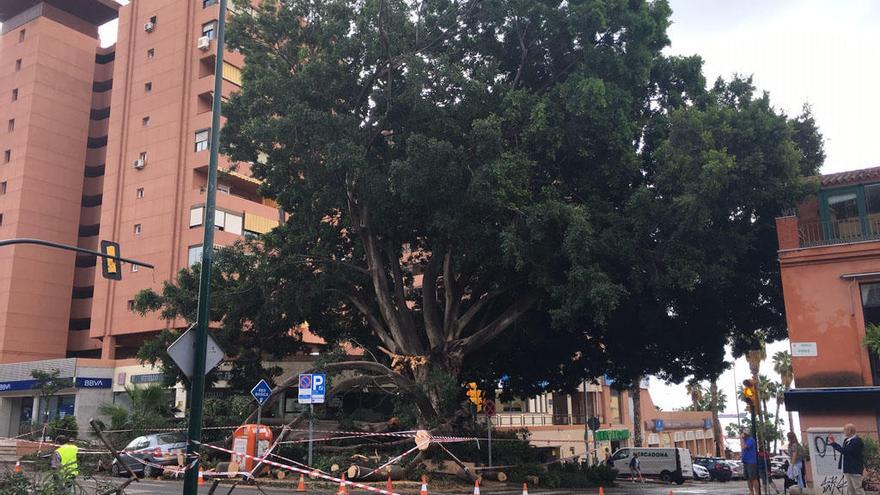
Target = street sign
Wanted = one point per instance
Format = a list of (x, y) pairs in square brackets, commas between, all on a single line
[(183, 351), (312, 388), (319, 386), (489, 408), (305, 388), (261, 392)]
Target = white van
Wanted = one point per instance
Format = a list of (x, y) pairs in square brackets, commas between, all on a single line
[(668, 464)]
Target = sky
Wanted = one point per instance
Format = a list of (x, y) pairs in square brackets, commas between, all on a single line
[(819, 52)]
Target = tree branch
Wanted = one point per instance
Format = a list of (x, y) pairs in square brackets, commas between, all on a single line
[(453, 296), (379, 278), (524, 53), (397, 279), (374, 322), (462, 323), (430, 308), (507, 318)]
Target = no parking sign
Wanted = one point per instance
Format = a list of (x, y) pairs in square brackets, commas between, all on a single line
[(312, 387)]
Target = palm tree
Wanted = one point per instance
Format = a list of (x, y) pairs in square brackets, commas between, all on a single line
[(148, 408), (695, 390), (755, 357), (782, 365), (777, 391)]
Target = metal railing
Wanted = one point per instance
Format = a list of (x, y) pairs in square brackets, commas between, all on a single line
[(839, 231), (537, 419)]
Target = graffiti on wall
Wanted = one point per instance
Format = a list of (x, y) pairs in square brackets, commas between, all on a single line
[(828, 478)]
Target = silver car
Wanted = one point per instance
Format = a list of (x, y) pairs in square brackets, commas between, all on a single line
[(701, 473), (148, 454)]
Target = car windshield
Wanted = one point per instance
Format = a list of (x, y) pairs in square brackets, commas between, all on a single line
[(166, 438)]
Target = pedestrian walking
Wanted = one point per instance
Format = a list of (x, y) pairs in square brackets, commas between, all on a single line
[(796, 456), (750, 462), (635, 468), (852, 459)]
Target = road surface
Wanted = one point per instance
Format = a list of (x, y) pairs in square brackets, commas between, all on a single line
[(156, 487)]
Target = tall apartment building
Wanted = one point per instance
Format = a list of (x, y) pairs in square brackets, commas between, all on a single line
[(104, 143)]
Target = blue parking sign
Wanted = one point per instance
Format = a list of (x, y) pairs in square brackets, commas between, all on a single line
[(319, 385)]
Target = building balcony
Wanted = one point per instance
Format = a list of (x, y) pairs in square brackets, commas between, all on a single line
[(796, 233)]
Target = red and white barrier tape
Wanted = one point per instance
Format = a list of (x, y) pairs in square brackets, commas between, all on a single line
[(314, 473)]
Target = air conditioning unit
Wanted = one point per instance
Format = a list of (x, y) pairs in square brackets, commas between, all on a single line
[(140, 163), (204, 43), (149, 27)]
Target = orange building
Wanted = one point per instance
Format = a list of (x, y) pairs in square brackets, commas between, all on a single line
[(829, 255), (105, 143)]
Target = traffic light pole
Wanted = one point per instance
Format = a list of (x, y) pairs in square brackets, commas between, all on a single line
[(757, 443), (66, 247), (190, 480)]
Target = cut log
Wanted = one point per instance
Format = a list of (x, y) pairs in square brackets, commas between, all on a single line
[(362, 473), (494, 475), (334, 468)]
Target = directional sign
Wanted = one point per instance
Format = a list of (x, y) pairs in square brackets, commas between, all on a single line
[(183, 352), (261, 392)]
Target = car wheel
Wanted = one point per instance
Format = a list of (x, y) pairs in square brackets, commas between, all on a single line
[(666, 476), (115, 470), (151, 472), (679, 480)]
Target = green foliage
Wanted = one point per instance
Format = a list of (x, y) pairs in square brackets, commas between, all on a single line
[(872, 338), (872, 454), (576, 202), (148, 408), (769, 431), (246, 314), (47, 385), (232, 410), (574, 475), (66, 426), (703, 400)]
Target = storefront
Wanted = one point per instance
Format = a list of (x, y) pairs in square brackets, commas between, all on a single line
[(82, 386)]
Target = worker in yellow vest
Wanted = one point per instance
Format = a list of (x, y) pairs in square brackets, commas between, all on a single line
[(64, 458)]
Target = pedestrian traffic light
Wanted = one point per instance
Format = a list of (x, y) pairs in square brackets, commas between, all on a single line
[(475, 395), (111, 268), (750, 395)]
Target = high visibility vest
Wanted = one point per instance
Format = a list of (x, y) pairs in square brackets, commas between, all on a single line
[(69, 466)]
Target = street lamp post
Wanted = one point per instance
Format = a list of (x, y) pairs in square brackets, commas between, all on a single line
[(197, 384)]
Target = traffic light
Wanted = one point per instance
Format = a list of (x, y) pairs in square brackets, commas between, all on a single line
[(750, 394), (475, 395), (110, 266)]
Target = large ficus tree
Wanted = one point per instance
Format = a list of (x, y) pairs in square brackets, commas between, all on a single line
[(491, 188)]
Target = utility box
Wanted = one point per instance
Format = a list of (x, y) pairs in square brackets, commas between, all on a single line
[(249, 440)]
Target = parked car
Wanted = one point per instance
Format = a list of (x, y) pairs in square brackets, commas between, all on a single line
[(668, 464), (701, 473), (147, 454), (736, 469), (718, 468)]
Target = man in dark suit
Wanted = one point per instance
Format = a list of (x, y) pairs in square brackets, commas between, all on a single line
[(852, 459)]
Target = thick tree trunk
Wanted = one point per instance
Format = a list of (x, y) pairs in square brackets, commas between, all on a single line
[(636, 392), (776, 423), (716, 421)]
